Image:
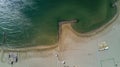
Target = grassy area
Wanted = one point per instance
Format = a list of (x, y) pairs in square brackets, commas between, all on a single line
[(41, 26)]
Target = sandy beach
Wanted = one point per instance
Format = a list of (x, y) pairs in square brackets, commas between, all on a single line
[(76, 51)]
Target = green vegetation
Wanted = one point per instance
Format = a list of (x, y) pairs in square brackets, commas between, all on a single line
[(37, 23)]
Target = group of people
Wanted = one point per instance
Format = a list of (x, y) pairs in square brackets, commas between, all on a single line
[(12, 58)]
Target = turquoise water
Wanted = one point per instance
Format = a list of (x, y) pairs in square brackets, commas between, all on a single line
[(26, 23)]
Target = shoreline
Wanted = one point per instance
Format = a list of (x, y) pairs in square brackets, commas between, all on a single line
[(97, 31), (102, 28), (36, 48), (43, 48), (89, 34)]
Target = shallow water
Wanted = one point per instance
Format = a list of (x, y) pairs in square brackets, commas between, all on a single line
[(35, 22)]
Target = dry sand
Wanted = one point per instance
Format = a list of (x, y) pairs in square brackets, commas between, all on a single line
[(75, 50)]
